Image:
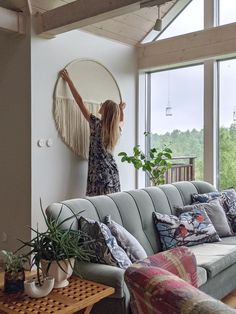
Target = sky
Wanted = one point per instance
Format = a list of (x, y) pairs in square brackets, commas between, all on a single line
[(182, 89)]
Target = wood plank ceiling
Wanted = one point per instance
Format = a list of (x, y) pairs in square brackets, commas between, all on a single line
[(130, 28)]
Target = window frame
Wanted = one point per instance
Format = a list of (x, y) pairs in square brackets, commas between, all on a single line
[(211, 101)]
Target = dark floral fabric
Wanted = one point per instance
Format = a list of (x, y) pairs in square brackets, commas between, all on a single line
[(227, 199), (103, 175), (206, 197), (190, 228), (104, 244)]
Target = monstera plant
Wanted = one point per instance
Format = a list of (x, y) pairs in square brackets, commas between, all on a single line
[(155, 163)]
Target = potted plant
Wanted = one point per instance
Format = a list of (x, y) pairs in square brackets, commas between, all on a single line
[(54, 251), (14, 275), (155, 163)]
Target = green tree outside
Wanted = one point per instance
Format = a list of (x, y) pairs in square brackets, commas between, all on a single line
[(190, 143)]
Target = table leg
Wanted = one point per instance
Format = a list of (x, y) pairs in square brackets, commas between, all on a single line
[(88, 309)]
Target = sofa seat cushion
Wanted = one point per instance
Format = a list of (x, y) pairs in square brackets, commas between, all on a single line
[(214, 257), (229, 240), (201, 276)]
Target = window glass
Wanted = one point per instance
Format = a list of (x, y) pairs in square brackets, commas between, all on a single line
[(177, 112), (227, 11), (184, 22), (227, 123)]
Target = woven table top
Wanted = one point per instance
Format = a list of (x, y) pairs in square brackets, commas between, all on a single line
[(78, 295)]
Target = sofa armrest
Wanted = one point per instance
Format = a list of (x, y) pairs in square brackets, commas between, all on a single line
[(155, 290), (105, 274), (180, 261)]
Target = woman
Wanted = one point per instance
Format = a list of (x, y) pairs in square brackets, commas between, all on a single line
[(103, 175)]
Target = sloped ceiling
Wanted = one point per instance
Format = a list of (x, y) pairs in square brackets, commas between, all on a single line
[(130, 28)]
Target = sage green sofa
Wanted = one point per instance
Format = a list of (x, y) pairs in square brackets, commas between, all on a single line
[(133, 210)]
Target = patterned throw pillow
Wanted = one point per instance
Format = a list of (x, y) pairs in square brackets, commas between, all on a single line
[(228, 200), (206, 197), (190, 228), (126, 240), (105, 246), (215, 212)]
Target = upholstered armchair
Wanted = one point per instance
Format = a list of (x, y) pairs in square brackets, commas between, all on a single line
[(166, 283)]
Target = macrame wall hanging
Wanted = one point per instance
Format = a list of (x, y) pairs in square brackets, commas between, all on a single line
[(95, 83)]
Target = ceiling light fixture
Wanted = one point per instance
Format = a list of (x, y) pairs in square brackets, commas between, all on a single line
[(158, 24)]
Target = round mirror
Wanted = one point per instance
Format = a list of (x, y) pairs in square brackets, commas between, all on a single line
[(95, 83)]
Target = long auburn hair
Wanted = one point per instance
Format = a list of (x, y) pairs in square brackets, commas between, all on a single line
[(110, 124)]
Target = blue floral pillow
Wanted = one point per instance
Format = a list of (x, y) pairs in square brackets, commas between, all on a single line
[(227, 199), (216, 214), (105, 246), (190, 228)]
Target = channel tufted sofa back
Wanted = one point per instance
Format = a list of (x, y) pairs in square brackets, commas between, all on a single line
[(133, 209)]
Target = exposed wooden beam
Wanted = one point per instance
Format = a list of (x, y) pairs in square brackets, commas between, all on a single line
[(193, 47), (12, 21), (81, 13)]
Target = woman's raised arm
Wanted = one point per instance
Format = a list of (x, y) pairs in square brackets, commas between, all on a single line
[(65, 75)]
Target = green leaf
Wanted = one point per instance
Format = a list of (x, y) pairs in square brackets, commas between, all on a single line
[(136, 150), (122, 154), (151, 154), (168, 155)]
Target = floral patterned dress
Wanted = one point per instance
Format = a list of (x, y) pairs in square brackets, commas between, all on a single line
[(103, 175)]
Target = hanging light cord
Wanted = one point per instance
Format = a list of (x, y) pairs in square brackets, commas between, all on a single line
[(159, 11)]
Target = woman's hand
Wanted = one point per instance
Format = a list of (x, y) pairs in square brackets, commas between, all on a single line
[(122, 105), (64, 75)]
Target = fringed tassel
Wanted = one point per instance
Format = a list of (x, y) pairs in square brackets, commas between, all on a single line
[(72, 126)]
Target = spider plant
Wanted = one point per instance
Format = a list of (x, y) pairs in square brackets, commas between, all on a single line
[(56, 243)]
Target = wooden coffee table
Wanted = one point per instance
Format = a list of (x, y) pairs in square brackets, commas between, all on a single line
[(79, 295)]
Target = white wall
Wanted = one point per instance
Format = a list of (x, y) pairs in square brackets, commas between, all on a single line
[(56, 173)]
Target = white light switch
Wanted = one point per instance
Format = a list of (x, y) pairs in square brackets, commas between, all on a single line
[(41, 142), (49, 142)]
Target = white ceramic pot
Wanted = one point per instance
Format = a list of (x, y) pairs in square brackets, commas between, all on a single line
[(36, 291), (57, 273)]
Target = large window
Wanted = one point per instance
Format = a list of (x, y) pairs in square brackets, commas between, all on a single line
[(227, 11), (176, 102), (184, 22), (227, 122), (177, 112)]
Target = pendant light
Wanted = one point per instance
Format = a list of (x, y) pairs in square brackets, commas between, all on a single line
[(234, 114), (158, 24), (169, 109)]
